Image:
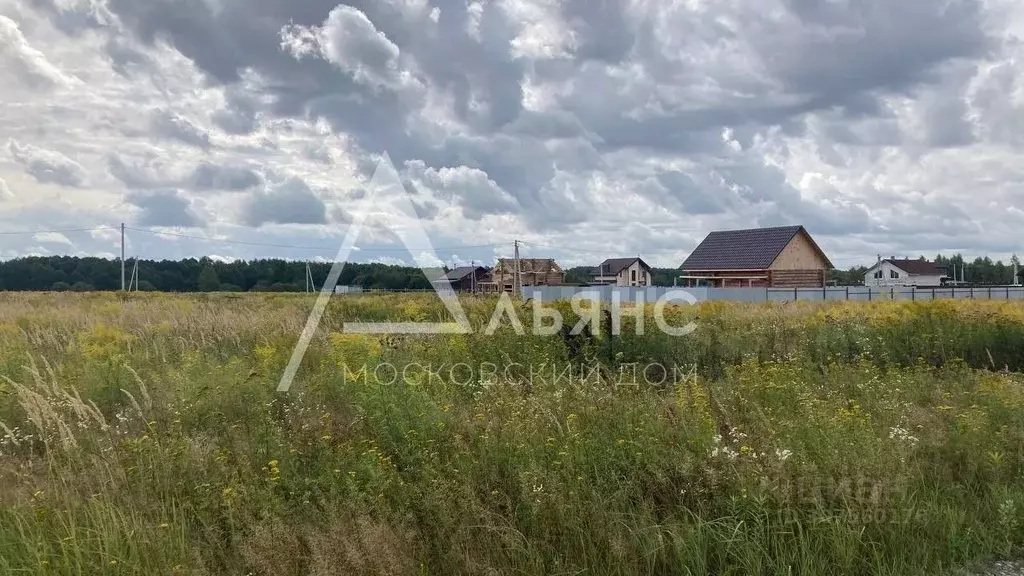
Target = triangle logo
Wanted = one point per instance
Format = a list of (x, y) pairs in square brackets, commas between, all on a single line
[(388, 200)]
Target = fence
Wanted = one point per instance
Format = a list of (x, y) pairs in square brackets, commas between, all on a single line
[(361, 290), (833, 293)]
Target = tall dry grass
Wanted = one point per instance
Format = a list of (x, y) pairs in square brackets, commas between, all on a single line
[(142, 435)]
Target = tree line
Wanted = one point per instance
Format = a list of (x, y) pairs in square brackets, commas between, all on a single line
[(63, 273), (982, 271)]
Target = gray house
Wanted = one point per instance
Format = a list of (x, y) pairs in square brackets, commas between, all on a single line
[(622, 272)]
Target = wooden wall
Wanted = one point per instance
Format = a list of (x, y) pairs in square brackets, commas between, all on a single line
[(774, 278), (798, 278), (799, 254), (503, 276)]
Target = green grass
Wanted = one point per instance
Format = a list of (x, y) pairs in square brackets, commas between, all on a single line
[(144, 436)]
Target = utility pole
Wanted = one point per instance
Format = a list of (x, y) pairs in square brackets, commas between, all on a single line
[(135, 277), (517, 278), (310, 284), (122, 257)]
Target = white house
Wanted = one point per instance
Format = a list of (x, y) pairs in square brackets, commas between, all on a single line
[(894, 272), (622, 272)]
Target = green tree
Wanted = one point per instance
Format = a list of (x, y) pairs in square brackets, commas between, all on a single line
[(54, 272), (208, 280)]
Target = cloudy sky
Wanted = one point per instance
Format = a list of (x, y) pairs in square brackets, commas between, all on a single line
[(586, 128)]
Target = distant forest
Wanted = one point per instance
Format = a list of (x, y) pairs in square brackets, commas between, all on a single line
[(62, 273)]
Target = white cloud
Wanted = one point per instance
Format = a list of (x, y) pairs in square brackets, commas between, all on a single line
[(26, 62), (542, 33), (5, 191), (53, 238), (590, 129), (350, 41), (47, 166)]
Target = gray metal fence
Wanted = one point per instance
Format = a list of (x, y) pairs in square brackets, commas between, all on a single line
[(653, 294)]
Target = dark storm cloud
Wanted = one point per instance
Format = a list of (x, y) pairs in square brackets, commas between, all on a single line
[(170, 125), (602, 29), (124, 57), (166, 207), (248, 35), (780, 204), (472, 190), (239, 116), (209, 176), (149, 172), (693, 198), (871, 44), (146, 173), (287, 202), (815, 56), (650, 76)]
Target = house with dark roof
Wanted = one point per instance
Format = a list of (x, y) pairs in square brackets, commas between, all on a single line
[(622, 272), (905, 272), (781, 257), (465, 278)]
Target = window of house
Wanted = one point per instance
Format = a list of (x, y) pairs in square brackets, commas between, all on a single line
[(632, 275), (894, 274), (878, 274)]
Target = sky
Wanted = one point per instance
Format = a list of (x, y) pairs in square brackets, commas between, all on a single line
[(587, 129)]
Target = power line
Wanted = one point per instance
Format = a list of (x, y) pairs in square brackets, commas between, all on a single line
[(34, 232), (321, 248)]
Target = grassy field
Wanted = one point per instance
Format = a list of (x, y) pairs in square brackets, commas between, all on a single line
[(142, 434)]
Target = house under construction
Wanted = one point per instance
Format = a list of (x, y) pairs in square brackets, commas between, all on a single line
[(532, 272)]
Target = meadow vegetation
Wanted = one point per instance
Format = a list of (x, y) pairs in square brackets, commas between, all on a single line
[(142, 434)]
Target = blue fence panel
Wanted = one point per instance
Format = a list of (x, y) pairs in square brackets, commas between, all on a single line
[(737, 294), (652, 294)]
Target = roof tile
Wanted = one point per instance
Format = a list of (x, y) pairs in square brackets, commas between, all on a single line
[(751, 249)]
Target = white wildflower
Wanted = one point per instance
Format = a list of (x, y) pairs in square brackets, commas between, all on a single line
[(901, 434), (725, 452)]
